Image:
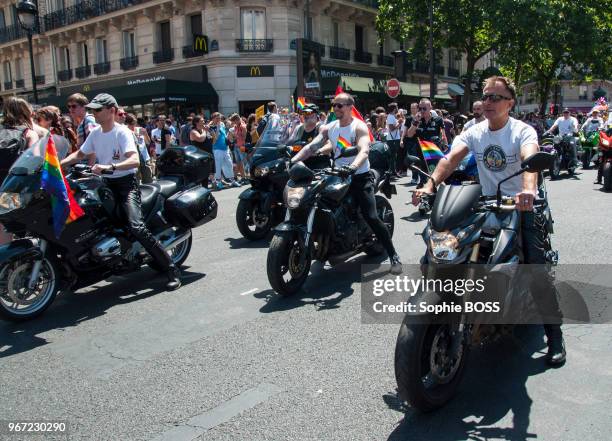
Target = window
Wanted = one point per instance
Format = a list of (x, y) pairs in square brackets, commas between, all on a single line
[(253, 24), (195, 24), (2, 20), (39, 64), (6, 70), (359, 38), (307, 26), (129, 44), (101, 50), (336, 33), (63, 55), (164, 43), (18, 69), (453, 59), (83, 54), (57, 5)]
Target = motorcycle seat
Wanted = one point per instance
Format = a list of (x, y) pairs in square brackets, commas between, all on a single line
[(166, 187), (148, 198)]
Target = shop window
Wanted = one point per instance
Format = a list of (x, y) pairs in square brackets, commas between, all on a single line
[(101, 50), (129, 44), (253, 24)]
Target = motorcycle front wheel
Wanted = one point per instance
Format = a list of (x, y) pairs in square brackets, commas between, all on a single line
[(607, 176), (586, 158), (17, 301), (555, 170), (427, 375), (252, 224), (288, 263)]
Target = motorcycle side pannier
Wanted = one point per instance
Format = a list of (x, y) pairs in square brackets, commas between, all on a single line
[(191, 208), (188, 161), (380, 156)]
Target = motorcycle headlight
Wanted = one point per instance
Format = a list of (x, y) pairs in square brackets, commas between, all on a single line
[(10, 201), (293, 196), (261, 171), (444, 245), (605, 142)]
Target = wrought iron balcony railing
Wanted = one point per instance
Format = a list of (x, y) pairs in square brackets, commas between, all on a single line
[(385, 60), (339, 53), (84, 10), (258, 45), (128, 63), (102, 68), (64, 75), (82, 72), (40, 79), (19, 83), (163, 56), (8, 85), (363, 57), (10, 33)]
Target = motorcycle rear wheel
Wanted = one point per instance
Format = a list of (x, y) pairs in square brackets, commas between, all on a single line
[(178, 255), (426, 377), (286, 258), (249, 227), (17, 301), (385, 213)]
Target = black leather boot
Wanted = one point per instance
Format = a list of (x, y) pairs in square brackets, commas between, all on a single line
[(556, 346), (174, 278)]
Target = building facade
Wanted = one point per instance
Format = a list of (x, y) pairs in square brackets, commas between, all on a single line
[(143, 51), (578, 97)]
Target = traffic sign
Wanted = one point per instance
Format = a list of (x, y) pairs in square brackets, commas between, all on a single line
[(393, 88)]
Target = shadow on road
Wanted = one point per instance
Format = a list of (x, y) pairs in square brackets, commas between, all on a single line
[(494, 384), (70, 309), (325, 287), (237, 243)]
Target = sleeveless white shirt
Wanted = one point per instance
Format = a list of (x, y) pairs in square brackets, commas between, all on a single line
[(348, 134)]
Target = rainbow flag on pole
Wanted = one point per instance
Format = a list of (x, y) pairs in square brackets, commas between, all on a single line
[(301, 103), (64, 207), (431, 152)]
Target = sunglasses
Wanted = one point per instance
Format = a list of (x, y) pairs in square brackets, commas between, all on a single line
[(338, 105), (424, 109), (493, 97), (73, 106), (100, 109)]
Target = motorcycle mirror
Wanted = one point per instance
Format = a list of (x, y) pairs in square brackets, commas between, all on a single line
[(348, 152), (538, 162), (412, 159)]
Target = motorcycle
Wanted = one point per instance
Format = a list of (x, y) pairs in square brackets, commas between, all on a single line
[(604, 159), (36, 264), (260, 207), (323, 222), (561, 147), (588, 146), (465, 228)]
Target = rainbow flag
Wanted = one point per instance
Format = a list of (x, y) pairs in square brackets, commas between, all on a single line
[(343, 143), (301, 103), (431, 152), (64, 207)]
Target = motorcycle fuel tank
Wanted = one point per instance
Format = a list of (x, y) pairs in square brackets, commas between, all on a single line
[(454, 204), (336, 189)]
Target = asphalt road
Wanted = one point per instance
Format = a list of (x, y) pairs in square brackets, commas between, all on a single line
[(224, 358)]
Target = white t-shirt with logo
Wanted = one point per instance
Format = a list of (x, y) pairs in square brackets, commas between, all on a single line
[(567, 126), (111, 147), (498, 153)]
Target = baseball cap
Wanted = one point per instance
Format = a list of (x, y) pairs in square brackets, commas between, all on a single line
[(102, 100), (310, 108), (566, 110)]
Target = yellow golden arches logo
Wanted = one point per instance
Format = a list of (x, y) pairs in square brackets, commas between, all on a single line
[(200, 43), (255, 71)]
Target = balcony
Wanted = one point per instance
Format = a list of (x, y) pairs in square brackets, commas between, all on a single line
[(8, 85), (363, 57), (311, 46), (40, 79), (385, 60), (188, 52), (452, 72), (129, 63), (82, 72), (12, 32), (102, 68), (339, 53), (163, 56), (84, 10), (260, 45), (64, 75), (19, 83)]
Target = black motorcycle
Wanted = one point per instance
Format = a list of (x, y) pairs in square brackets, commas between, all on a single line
[(36, 265), (561, 147), (465, 228), (323, 222)]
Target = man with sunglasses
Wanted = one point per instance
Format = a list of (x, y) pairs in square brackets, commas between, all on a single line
[(83, 121), (500, 145), (362, 183), (113, 146)]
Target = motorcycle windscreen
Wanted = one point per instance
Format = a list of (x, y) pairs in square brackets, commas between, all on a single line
[(25, 173), (454, 204)]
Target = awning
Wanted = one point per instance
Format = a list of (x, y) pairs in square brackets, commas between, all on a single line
[(444, 96), (455, 89), (366, 86)]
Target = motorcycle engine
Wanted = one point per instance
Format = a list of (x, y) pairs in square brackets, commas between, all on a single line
[(346, 227), (106, 248)]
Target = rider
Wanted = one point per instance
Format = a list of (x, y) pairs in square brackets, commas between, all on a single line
[(593, 124), (113, 146), (362, 184), (478, 115), (567, 125), (499, 147)]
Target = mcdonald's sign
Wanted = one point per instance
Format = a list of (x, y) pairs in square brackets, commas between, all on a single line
[(254, 71), (200, 44)]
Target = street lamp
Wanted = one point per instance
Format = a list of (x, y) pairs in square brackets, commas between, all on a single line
[(27, 12)]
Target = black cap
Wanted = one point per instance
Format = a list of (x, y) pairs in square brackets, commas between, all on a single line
[(102, 100), (311, 108)]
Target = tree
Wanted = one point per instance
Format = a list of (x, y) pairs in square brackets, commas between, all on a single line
[(460, 24)]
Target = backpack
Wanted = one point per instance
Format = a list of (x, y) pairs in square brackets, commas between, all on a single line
[(12, 143), (380, 156)]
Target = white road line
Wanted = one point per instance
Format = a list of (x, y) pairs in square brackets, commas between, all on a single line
[(199, 424), (250, 291)]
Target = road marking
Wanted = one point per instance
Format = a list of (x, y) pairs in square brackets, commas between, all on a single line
[(250, 291), (199, 424)]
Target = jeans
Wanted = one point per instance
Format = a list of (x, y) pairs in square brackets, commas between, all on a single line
[(223, 164), (127, 195), (363, 190), (393, 149)]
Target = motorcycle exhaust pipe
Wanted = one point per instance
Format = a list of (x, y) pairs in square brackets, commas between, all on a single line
[(340, 258), (174, 241)]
